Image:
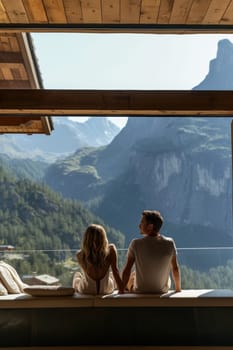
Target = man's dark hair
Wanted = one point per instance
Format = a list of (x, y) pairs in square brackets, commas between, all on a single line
[(153, 217)]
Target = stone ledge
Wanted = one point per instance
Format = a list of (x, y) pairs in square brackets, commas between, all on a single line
[(186, 298)]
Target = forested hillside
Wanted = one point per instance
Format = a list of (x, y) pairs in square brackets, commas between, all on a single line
[(24, 168), (33, 217)]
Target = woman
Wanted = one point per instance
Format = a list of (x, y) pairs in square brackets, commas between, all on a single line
[(95, 258)]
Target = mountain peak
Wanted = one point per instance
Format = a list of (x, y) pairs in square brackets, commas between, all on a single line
[(225, 44), (220, 75)]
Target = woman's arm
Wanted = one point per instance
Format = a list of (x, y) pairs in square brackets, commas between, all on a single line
[(115, 271)]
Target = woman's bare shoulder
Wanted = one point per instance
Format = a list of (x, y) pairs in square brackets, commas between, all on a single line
[(79, 255), (79, 252), (112, 247), (112, 250)]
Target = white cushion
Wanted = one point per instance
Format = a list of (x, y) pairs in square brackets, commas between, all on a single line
[(39, 291), (3, 290)]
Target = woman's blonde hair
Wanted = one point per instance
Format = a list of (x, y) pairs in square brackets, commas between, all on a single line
[(95, 247)]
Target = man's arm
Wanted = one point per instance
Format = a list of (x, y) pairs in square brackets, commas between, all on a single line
[(176, 274), (127, 270)]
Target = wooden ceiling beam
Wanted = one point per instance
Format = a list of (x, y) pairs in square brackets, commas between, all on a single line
[(10, 57), (25, 125), (117, 28), (18, 120), (14, 84), (33, 102)]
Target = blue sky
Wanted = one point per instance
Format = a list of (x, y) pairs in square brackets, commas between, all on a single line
[(124, 61)]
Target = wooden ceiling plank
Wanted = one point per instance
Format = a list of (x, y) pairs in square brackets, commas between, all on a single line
[(14, 44), (130, 11), (16, 11), (198, 11), (22, 72), (8, 42), (3, 14), (26, 125), (149, 11), (165, 11), (2, 77), (105, 102), (47, 127), (215, 11), (35, 11), (73, 11), (17, 120), (180, 11), (55, 11), (5, 43), (110, 11), (16, 74), (91, 11), (227, 17), (6, 71)]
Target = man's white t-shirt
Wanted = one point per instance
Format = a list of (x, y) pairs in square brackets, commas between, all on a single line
[(153, 257)]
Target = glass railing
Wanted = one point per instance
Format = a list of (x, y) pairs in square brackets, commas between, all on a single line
[(204, 268)]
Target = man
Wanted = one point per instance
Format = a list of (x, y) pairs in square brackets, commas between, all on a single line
[(154, 256)]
